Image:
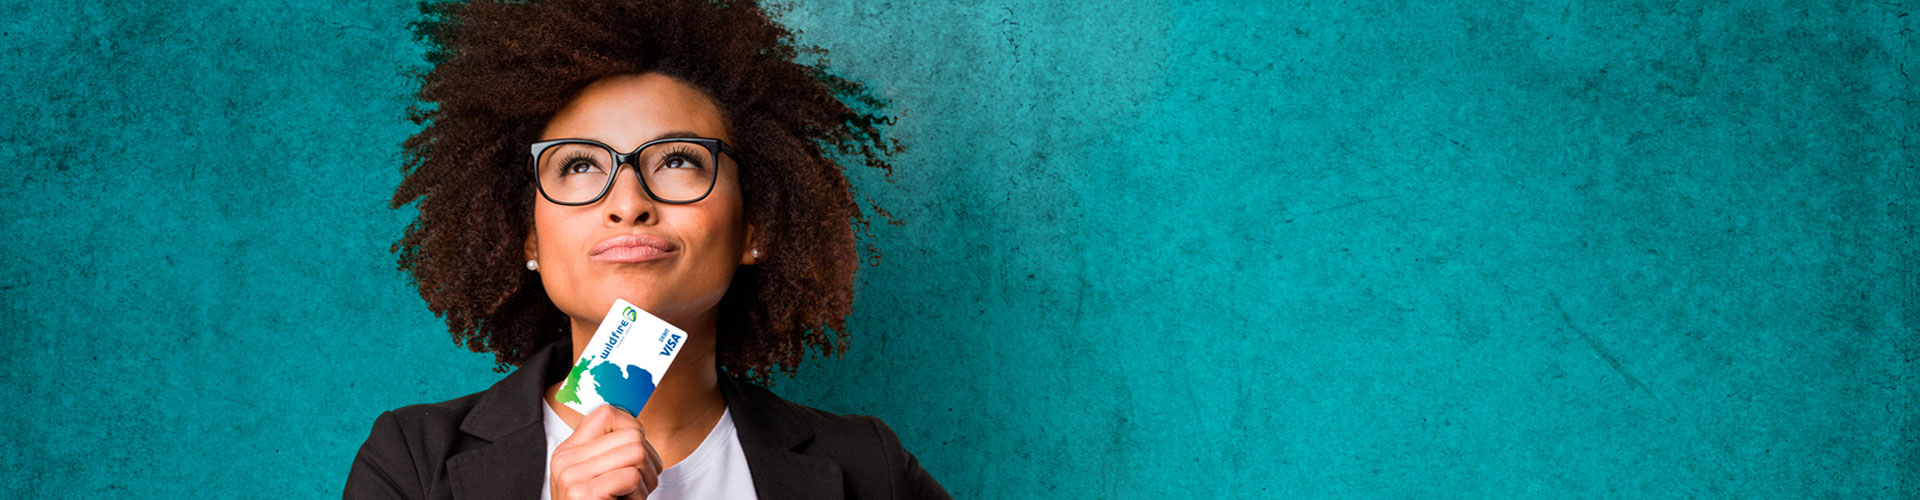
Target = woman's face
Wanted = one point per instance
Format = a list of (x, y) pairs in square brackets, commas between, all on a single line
[(703, 240)]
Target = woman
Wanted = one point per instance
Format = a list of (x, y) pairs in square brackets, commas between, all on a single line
[(673, 155)]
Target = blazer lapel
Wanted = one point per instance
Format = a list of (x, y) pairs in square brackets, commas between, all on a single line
[(780, 473), (482, 473), (508, 418), (770, 437)]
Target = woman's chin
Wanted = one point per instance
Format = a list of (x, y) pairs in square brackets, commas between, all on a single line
[(644, 298)]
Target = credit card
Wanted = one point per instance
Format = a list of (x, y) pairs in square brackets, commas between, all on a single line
[(623, 362)]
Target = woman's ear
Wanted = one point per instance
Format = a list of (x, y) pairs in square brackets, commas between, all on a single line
[(751, 253), (531, 249)]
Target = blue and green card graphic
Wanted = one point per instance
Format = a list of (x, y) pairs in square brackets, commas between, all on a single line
[(624, 361)]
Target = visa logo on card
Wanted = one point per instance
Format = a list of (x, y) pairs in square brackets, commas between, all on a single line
[(623, 362)]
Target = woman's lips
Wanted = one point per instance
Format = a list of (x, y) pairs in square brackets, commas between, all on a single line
[(630, 248)]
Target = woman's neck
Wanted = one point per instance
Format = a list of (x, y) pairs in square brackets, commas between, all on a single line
[(684, 407)]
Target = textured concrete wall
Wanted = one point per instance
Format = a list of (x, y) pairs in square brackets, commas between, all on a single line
[(1332, 250)]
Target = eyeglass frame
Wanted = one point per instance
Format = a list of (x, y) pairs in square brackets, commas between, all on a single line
[(714, 147)]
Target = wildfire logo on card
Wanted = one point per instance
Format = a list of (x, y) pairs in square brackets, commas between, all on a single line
[(614, 338), (630, 315)]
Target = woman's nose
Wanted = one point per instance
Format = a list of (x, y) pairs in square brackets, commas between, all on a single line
[(627, 198)]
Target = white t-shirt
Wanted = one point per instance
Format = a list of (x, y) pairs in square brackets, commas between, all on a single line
[(717, 469)]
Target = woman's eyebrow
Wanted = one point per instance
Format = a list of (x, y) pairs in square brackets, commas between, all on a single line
[(677, 134)]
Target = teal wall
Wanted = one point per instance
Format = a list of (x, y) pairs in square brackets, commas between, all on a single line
[(1329, 250)]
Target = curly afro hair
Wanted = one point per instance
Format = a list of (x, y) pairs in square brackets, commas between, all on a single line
[(501, 70)]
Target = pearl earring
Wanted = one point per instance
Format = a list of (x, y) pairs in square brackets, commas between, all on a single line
[(756, 254), (533, 265)]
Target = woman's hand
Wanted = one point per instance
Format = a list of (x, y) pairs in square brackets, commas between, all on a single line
[(608, 457)]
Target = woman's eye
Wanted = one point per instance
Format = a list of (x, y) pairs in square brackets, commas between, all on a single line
[(578, 167), (678, 161)]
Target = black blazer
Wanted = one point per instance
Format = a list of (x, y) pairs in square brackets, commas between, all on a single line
[(492, 444)]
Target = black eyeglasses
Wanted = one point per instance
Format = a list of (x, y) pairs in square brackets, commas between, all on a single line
[(676, 170)]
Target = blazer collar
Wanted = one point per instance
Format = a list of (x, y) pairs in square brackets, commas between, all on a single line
[(772, 435), (513, 403), (507, 416)]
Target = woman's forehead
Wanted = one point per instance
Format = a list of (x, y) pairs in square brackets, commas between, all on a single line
[(626, 111)]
